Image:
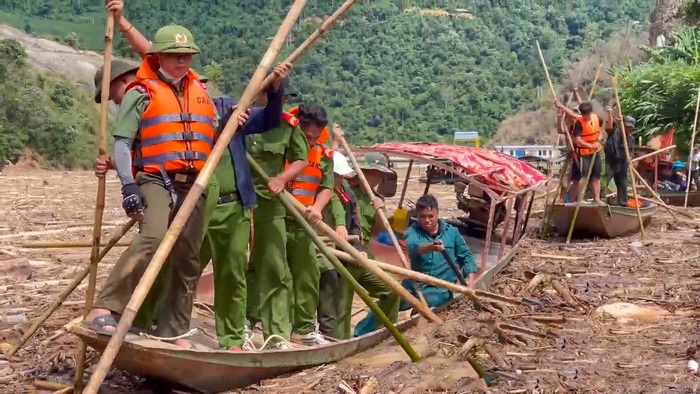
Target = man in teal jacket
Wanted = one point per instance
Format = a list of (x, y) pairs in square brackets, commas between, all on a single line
[(426, 240)]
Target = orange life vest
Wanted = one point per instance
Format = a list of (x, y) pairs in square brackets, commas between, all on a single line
[(590, 133), (305, 186), (174, 134)]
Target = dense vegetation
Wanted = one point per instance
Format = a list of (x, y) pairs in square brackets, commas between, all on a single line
[(392, 71), (44, 113), (662, 93)]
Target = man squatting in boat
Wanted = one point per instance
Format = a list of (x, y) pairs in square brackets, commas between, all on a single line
[(281, 151)]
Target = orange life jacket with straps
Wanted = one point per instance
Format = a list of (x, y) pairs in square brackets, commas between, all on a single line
[(305, 186), (175, 134), (590, 133)]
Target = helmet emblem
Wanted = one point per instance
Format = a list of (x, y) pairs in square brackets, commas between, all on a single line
[(180, 38)]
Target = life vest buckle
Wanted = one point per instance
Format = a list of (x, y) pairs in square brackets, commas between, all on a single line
[(190, 155), (185, 117), (188, 136)]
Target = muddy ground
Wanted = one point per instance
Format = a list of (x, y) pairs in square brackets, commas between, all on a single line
[(564, 343)]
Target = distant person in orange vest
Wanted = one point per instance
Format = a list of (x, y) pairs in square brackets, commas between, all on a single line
[(586, 136)]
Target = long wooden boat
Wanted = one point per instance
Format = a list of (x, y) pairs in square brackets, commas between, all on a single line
[(210, 370), (600, 221), (678, 198)]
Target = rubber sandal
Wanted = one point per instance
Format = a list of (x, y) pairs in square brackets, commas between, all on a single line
[(98, 325)]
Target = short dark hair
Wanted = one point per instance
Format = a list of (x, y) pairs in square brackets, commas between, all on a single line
[(427, 201), (585, 108), (312, 114)]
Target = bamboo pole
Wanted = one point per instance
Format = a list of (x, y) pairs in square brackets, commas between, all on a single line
[(161, 254), (68, 290), (579, 198), (100, 203), (690, 154), (658, 198), (66, 244), (404, 188), (648, 155), (382, 216), (431, 280), (595, 82), (569, 142), (287, 201), (630, 166)]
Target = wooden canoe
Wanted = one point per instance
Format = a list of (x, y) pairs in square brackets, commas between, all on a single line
[(600, 221), (678, 198), (210, 370)]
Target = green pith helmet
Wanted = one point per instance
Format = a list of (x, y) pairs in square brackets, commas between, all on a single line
[(174, 39), (119, 68), (203, 79), (376, 161)]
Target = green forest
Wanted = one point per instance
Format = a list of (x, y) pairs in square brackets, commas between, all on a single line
[(390, 70)]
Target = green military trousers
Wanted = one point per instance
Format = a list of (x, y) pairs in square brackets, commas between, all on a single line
[(268, 276), (301, 257), (388, 302), (226, 244), (180, 277), (328, 291)]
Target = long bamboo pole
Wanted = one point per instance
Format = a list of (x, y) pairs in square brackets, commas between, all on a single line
[(690, 153), (190, 201), (100, 203), (404, 188), (569, 142), (431, 280), (648, 155), (579, 198), (630, 166), (362, 259), (382, 216), (71, 287), (326, 251)]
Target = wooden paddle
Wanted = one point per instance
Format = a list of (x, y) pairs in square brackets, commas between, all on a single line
[(100, 203), (257, 82)]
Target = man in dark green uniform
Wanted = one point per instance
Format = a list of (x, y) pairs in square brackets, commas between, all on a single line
[(343, 221), (375, 168), (269, 278)]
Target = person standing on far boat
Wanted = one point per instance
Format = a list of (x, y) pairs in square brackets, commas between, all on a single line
[(587, 143), (375, 168), (427, 241), (615, 158), (694, 164)]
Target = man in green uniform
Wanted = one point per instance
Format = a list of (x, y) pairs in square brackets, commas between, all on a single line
[(228, 230), (312, 188), (155, 195), (375, 168), (343, 220), (269, 279)]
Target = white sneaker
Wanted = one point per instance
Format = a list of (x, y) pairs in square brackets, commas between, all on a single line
[(314, 338), (248, 330), (282, 346), (248, 346)]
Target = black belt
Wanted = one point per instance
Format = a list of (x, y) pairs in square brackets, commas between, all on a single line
[(228, 198)]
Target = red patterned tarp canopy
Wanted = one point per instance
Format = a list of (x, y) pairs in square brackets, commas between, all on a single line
[(488, 167)]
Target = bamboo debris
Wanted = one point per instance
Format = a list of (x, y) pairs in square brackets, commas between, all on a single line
[(658, 200), (68, 290)]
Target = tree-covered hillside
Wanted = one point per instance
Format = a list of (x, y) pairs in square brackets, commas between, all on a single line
[(393, 69)]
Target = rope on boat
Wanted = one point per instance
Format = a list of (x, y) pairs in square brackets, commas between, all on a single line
[(267, 341), (169, 339)]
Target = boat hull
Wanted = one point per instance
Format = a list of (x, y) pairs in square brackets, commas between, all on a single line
[(597, 221), (213, 371), (678, 198)]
